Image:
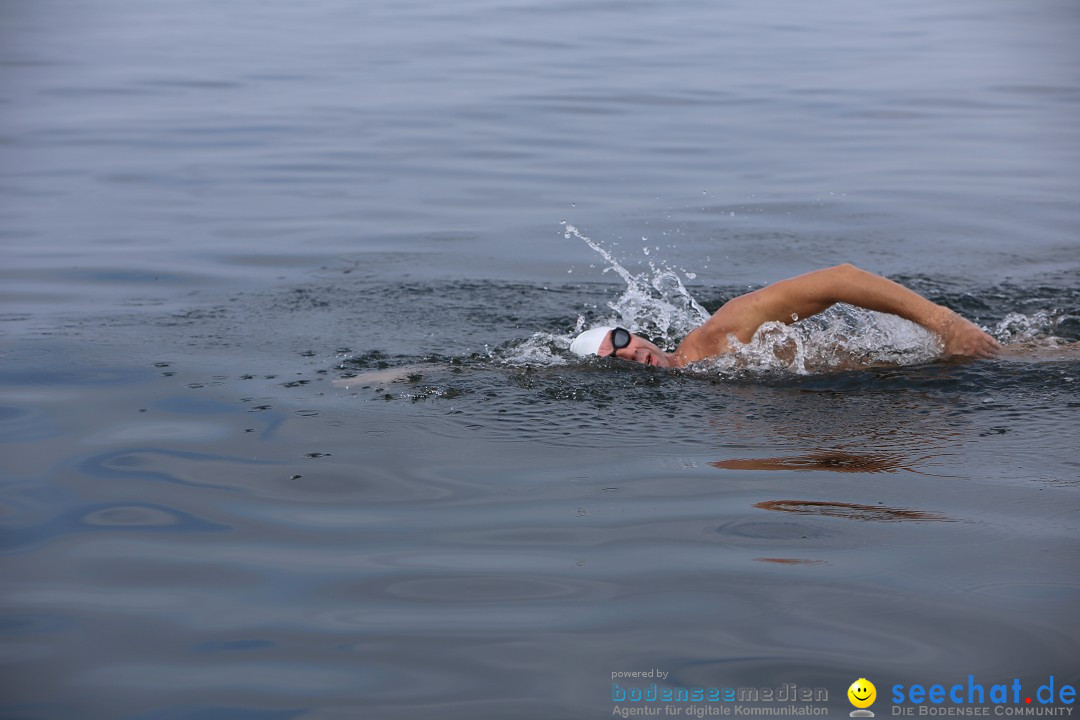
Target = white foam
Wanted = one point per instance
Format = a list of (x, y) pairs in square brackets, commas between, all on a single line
[(840, 338), (1040, 326), (542, 349)]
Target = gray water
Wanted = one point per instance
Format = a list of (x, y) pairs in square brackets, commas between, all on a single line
[(211, 211)]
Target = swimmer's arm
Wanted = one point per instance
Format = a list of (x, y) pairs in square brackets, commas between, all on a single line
[(800, 297), (382, 378)]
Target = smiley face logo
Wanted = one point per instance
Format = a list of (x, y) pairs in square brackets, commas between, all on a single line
[(862, 693)]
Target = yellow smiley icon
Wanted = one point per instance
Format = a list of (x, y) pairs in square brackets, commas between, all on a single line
[(862, 693)]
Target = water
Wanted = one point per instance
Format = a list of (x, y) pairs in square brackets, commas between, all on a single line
[(212, 212)]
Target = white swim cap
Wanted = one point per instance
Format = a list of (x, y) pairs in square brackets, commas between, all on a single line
[(588, 342)]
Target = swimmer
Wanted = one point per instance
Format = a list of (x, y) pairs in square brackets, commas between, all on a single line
[(787, 301)]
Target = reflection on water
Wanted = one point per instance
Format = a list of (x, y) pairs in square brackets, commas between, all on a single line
[(835, 461), (851, 511)]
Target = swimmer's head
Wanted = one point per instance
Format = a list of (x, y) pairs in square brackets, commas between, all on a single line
[(620, 343), (589, 342)]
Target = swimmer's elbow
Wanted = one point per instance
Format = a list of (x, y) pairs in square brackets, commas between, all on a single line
[(841, 278), (846, 268)]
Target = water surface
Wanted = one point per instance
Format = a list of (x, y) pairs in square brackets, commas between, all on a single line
[(211, 212)]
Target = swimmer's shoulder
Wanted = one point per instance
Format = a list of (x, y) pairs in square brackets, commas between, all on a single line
[(709, 340)]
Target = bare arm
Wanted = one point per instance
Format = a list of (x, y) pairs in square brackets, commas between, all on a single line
[(800, 297), (383, 378)]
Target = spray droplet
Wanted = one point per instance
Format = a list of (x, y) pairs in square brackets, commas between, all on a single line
[(655, 303)]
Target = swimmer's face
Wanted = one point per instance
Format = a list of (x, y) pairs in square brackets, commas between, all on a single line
[(639, 350)]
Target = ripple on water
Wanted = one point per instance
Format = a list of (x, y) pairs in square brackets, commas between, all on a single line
[(272, 677), (777, 530), (131, 518), (227, 646), (487, 589), (27, 424), (178, 467), (165, 431), (135, 516), (17, 624)]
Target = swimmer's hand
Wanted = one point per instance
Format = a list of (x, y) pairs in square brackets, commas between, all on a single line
[(963, 338)]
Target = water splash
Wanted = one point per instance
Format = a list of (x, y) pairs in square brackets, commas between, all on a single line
[(841, 338), (654, 304), (1041, 327), (542, 349)]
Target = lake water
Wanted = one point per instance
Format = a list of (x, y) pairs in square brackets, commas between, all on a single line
[(211, 211)]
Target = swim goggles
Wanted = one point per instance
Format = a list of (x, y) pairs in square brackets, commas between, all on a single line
[(620, 338)]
